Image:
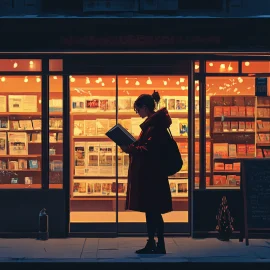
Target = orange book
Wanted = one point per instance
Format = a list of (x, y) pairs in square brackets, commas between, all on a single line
[(226, 110), (218, 111), (251, 150), (242, 126), (220, 150), (241, 111), (207, 181), (241, 150), (234, 110), (249, 111), (236, 166), (228, 167), (259, 153), (219, 166)]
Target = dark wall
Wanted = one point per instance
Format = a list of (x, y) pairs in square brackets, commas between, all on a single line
[(19, 211), (206, 204)]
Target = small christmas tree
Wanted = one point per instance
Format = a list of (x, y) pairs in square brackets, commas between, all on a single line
[(225, 221)]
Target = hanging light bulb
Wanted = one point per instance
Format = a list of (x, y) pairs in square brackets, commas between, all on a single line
[(197, 66), (240, 80), (230, 68), (137, 83), (235, 90), (3, 79), (211, 64), (183, 87), (149, 81), (38, 79), (87, 81), (247, 64), (182, 80), (31, 63), (72, 79), (55, 77), (177, 82), (127, 81), (15, 65), (103, 84), (25, 79), (165, 82), (198, 88), (100, 79), (222, 66)]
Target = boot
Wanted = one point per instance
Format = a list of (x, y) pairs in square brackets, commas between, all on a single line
[(149, 248), (160, 247)]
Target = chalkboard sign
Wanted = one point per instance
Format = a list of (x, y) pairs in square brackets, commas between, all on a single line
[(256, 194), (261, 87)]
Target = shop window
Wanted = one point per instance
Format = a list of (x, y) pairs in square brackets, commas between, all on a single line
[(239, 128), (20, 132), (55, 64), (256, 67), (221, 67), (56, 131), (28, 65), (174, 95), (93, 154)]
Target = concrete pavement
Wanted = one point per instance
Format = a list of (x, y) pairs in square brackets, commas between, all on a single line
[(121, 250)]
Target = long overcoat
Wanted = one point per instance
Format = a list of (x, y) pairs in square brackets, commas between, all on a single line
[(148, 186)]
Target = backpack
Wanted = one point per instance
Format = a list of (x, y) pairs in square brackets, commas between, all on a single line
[(173, 159)]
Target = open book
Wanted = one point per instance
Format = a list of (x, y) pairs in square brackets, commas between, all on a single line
[(120, 135)]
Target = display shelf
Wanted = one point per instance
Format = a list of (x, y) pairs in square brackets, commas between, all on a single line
[(234, 132), (266, 144), (223, 187), (226, 172), (19, 156), (112, 198), (220, 118), (31, 114), (231, 158), (20, 186), (263, 117), (263, 130), (22, 170), (263, 106)]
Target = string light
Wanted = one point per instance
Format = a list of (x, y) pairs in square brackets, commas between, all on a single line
[(127, 81), (72, 79), (31, 63), (25, 79), (211, 64), (55, 77), (149, 81), (177, 82), (165, 82), (38, 79), (137, 83), (87, 81), (103, 84), (197, 66), (182, 80), (240, 80), (3, 79), (15, 65), (183, 87), (247, 64), (113, 80)]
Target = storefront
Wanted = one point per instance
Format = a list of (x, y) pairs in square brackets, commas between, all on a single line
[(61, 90)]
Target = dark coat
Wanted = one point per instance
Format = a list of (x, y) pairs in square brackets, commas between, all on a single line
[(148, 186)]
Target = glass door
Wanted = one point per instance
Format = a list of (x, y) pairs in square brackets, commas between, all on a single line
[(174, 95)]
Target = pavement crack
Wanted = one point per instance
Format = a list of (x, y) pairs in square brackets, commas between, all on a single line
[(83, 247)]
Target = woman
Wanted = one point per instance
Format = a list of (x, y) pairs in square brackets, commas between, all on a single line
[(148, 186)]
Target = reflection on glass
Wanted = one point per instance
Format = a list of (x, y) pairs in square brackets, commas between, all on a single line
[(93, 154), (20, 132), (174, 95), (56, 131), (232, 127)]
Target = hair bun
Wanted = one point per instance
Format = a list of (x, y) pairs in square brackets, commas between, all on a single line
[(156, 96)]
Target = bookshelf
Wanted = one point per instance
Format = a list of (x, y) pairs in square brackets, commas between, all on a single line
[(239, 130)]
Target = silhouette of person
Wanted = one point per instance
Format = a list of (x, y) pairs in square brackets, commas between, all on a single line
[(148, 187)]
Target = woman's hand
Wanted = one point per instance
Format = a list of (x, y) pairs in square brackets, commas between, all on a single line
[(124, 148)]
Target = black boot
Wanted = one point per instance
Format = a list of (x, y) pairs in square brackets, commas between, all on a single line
[(160, 247), (149, 248)]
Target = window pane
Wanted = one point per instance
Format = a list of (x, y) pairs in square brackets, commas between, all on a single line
[(93, 155), (256, 67), (20, 65), (20, 132), (232, 127), (221, 67), (56, 131), (174, 95), (55, 64)]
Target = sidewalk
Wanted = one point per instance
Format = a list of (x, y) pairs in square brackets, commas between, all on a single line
[(179, 250)]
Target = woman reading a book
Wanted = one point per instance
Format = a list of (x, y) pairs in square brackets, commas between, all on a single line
[(148, 186)]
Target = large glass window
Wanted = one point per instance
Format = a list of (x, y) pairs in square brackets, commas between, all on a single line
[(174, 95), (93, 154), (20, 65), (20, 131)]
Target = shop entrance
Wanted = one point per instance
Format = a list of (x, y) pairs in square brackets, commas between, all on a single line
[(98, 169)]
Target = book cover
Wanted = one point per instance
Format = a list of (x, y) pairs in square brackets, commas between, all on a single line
[(77, 104), (78, 129), (103, 104), (124, 104), (3, 103), (120, 135), (220, 150), (171, 104), (102, 126), (18, 143), (3, 143), (241, 150), (234, 110), (4, 123), (92, 104), (33, 164), (90, 128), (226, 110), (232, 150), (28, 180), (218, 111)]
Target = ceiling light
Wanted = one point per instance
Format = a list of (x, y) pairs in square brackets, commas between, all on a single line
[(31, 63), (100, 79), (113, 80), (222, 66), (127, 81), (103, 84), (26, 79), (87, 81), (149, 81), (177, 82), (197, 66), (183, 87), (72, 79), (211, 64), (137, 83), (3, 79), (55, 77), (182, 80), (15, 65), (247, 64), (230, 68), (165, 82), (38, 79)]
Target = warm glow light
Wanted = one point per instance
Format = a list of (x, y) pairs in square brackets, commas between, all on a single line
[(103, 84), (165, 82), (113, 80), (197, 66), (177, 82), (149, 81), (55, 77), (31, 63), (183, 87), (137, 83), (25, 79), (100, 79), (240, 80), (182, 80), (72, 79), (211, 64), (3, 79), (235, 90), (222, 66), (127, 81), (198, 88), (15, 65), (38, 79), (230, 68), (247, 64), (39, 101), (87, 81)]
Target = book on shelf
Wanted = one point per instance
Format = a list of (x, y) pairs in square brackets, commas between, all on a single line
[(22, 164), (3, 103), (14, 180), (124, 104), (78, 128), (120, 135), (22, 103), (3, 143), (33, 164), (102, 126), (91, 104), (55, 105), (56, 166), (25, 125), (37, 124), (28, 180), (4, 123), (55, 123), (90, 128), (18, 143)]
